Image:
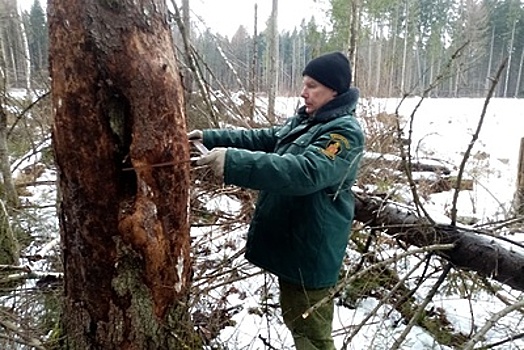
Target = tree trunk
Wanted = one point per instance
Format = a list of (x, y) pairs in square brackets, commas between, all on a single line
[(510, 55), (472, 251), (8, 190), (519, 75), (118, 102), (273, 54), (9, 248), (253, 68), (27, 56), (405, 51), (354, 25)]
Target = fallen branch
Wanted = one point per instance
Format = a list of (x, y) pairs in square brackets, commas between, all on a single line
[(487, 255)]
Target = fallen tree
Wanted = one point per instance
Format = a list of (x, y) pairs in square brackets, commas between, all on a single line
[(489, 256)]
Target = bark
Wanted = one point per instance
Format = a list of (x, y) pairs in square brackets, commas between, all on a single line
[(489, 256), (273, 55), (253, 69), (8, 185), (353, 38), (118, 102), (510, 56), (404, 52), (519, 75), (27, 56), (13, 46), (9, 248)]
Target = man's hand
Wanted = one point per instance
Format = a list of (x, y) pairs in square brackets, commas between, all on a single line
[(196, 135), (215, 159)]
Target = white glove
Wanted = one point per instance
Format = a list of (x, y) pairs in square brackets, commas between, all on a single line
[(216, 159), (196, 135)]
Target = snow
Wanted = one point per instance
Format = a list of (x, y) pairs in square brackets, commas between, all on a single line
[(442, 130)]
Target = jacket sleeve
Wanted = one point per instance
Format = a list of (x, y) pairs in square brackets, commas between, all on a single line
[(317, 167), (255, 139)]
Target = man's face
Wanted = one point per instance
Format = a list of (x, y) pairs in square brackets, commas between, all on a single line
[(315, 94)]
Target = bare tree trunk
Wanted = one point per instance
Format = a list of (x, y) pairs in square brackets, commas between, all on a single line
[(404, 51), (186, 17), (8, 185), (118, 102), (186, 72), (353, 37), (472, 251), (370, 67), (392, 69), (8, 188), (273, 62), (253, 71), (378, 65), (27, 57), (510, 55), (294, 65), (490, 61), (519, 75), (9, 249)]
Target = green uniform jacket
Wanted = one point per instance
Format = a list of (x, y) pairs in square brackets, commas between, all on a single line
[(304, 170)]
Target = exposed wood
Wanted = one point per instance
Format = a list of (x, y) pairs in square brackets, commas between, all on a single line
[(487, 255), (118, 102)]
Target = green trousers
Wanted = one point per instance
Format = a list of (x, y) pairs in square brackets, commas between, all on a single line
[(313, 332)]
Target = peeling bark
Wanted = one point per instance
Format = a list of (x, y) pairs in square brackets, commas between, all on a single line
[(489, 256), (118, 102)]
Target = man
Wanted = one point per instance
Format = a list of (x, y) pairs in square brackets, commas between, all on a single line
[(304, 170)]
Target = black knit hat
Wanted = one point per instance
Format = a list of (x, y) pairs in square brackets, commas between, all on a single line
[(332, 70)]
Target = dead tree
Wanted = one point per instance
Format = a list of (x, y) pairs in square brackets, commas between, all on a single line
[(118, 104), (489, 256)]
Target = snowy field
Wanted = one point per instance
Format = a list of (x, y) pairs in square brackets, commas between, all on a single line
[(442, 129)]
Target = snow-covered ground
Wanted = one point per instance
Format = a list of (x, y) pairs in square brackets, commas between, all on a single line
[(442, 129)]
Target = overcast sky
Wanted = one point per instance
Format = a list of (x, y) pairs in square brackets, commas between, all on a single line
[(25, 5), (225, 16)]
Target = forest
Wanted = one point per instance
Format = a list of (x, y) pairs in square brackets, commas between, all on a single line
[(109, 239), (396, 48)]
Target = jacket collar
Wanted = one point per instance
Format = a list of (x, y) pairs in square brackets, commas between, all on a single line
[(343, 104)]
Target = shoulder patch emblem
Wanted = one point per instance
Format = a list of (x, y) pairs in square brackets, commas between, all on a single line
[(334, 145)]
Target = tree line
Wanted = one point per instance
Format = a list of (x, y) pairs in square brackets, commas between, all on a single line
[(396, 47)]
